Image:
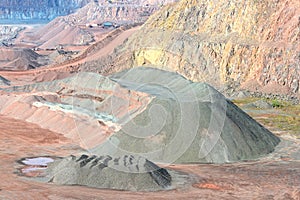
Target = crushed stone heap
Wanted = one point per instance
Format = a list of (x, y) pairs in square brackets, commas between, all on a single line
[(185, 122), (127, 172)]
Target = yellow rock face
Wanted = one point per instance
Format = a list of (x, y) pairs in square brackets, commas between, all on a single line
[(149, 56), (252, 45)]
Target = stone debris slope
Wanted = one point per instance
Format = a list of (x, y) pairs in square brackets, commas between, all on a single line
[(186, 122)]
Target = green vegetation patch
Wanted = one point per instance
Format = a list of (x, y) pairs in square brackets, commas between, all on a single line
[(288, 123), (243, 101), (286, 116)]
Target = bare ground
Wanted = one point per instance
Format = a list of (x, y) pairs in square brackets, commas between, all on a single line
[(274, 177)]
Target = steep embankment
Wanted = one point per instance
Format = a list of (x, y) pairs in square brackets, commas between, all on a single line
[(83, 107), (60, 32), (252, 45)]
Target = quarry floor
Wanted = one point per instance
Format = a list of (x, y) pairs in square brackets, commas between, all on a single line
[(274, 177)]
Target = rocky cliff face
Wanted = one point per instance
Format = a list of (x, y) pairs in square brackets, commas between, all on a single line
[(8, 34), (49, 9), (118, 11), (73, 29), (41, 10), (252, 45), (98, 13)]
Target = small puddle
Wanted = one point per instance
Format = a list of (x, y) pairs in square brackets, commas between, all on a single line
[(40, 161), (34, 166)]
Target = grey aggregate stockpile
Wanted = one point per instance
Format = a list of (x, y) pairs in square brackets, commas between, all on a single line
[(186, 122), (127, 172)]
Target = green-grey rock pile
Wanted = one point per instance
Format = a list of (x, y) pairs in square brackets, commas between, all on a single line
[(186, 122), (127, 172)]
